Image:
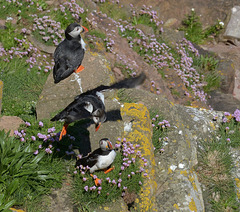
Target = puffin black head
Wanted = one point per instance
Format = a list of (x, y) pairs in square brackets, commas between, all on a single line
[(73, 31), (99, 116), (105, 144)]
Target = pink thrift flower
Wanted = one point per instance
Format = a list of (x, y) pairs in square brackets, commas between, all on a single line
[(40, 124), (27, 124)]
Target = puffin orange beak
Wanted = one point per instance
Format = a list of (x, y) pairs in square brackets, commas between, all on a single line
[(110, 145), (85, 29), (97, 126)]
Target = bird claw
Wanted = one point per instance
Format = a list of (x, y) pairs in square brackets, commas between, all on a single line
[(108, 170), (63, 132), (97, 181), (79, 69)]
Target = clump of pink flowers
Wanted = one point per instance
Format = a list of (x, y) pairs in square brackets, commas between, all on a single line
[(49, 139)]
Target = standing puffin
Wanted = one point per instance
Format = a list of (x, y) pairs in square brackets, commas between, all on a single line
[(99, 159), (87, 105), (69, 53)]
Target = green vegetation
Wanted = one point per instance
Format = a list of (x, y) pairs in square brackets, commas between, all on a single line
[(24, 177), (160, 129), (34, 161), (21, 87), (19, 9), (123, 178), (97, 33), (7, 36), (113, 10), (216, 165), (206, 66), (194, 31)]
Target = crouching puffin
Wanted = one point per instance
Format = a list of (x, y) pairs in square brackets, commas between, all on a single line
[(99, 159), (86, 105), (69, 53)]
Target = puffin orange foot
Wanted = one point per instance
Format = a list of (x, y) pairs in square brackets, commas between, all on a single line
[(63, 132), (108, 170), (97, 181), (79, 69)]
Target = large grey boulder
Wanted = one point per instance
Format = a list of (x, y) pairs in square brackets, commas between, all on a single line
[(177, 183), (233, 27), (56, 97)]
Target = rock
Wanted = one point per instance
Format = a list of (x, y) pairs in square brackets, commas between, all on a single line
[(41, 46), (59, 199), (171, 22), (138, 117), (1, 95), (226, 69), (123, 54), (2, 24), (233, 26), (117, 72), (172, 35), (230, 57), (223, 102), (146, 29), (208, 10), (55, 97), (10, 123), (177, 182)]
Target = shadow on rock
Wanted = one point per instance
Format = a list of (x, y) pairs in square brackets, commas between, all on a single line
[(114, 115)]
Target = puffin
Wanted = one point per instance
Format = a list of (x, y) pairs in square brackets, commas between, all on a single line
[(90, 104), (86, 105), (99, 159), (69, 53)]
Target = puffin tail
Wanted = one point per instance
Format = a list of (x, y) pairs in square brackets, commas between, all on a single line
[(82, 161)]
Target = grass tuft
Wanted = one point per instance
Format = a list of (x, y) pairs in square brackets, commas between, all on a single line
[(215, 165)]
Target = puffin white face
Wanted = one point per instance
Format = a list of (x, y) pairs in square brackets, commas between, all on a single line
[(76, 31), (105, 144)]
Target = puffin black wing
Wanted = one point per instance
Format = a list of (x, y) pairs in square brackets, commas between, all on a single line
[(92, 158), (68, 57), (74, 111)]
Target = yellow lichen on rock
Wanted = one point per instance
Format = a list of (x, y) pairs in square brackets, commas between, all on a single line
[(176, 206), (237, 181), (141, 134), (192, 205)]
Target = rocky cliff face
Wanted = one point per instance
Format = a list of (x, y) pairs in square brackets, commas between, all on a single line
[(172, 183)]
